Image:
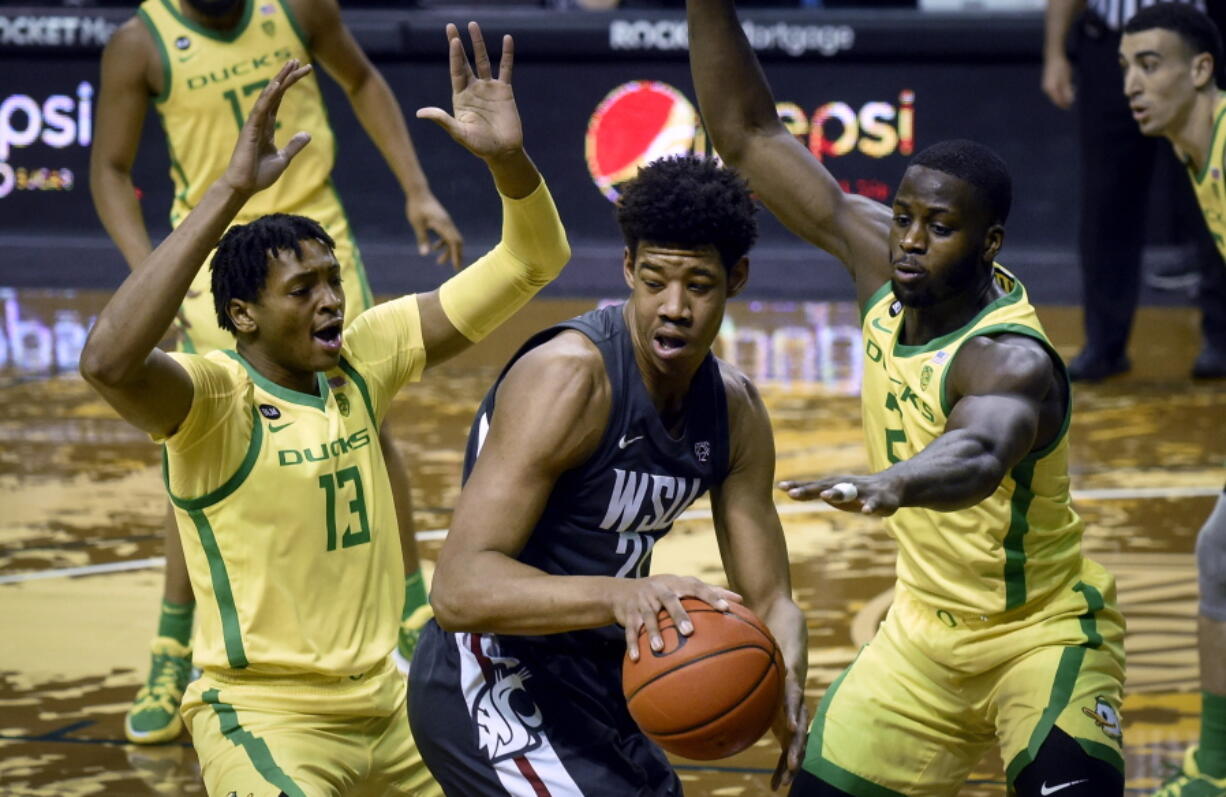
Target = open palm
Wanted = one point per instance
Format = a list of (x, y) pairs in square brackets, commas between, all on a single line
[(256, 162), (484, 119)]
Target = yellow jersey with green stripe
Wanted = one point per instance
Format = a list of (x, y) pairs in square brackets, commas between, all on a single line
[(285, 510), (211, 80), (1210, 180), (1017, 546)]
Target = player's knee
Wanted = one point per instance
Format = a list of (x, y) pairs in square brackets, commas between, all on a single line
[(1063, 765), (1211, 563)]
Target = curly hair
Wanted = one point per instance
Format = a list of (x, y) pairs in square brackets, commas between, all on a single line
[(976, 164), (690, 202), (240, 266)]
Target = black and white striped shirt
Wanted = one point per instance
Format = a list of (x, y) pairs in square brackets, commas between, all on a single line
[(1117, 12)]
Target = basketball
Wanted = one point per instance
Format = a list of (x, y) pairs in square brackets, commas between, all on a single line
[(711, 694)]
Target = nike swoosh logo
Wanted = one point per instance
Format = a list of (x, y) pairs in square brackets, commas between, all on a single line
[(1046, 790), (623, 442), (185, 58), (275, 429), (877, 324)]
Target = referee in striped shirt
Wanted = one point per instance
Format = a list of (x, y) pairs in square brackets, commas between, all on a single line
[(1117, 169)]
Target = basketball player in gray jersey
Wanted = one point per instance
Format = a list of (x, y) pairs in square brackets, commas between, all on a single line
[(595, 437)]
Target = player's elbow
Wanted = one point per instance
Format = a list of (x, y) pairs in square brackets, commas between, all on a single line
[(98, 365), (457, 605)]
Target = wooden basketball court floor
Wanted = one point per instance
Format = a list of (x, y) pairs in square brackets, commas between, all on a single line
[(81, 504)]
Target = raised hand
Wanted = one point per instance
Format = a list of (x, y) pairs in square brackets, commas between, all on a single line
[(256, 162), (484, 119)]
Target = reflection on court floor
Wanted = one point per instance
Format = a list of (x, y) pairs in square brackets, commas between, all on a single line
[(81, 504)]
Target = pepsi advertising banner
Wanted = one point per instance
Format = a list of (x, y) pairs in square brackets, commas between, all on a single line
[(591, 119)]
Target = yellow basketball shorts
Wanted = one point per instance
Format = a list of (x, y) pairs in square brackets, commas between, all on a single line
[(930, 694), (259, 751), (197, 321)]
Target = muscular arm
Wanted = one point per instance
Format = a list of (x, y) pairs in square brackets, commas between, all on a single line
[(1005, 405), (120, 358), (740, 116), (552, 409), (753, 548), (379, 112), (1057, 81), (120, 111)]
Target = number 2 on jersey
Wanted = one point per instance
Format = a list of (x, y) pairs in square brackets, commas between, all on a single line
[(331, 484)]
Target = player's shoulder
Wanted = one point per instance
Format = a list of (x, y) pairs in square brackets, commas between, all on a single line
[(569, 356), (739, 389), (133, 41), (1006, 362)]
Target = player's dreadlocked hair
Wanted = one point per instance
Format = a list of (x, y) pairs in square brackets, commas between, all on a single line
[(240, 267), (689, 202), (977, 165), (1194, 27)]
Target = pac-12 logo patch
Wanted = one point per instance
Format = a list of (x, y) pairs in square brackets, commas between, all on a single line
[(702, 450), (183, 42), (1105, 717), (270, 412), (895, 309)]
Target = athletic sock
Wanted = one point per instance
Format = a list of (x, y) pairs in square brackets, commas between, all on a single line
[(175, 621), (414, 593), (1211, 757)]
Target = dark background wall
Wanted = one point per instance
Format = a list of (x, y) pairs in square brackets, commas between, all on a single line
[(970, 76)]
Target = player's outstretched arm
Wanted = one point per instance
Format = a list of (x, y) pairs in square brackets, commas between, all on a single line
[(120, 358), (755, 555), (533, 249), (379, 112), (1003, 407), (740, 116), (552, 410)]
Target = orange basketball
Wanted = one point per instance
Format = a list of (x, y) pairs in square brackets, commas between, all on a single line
[(710, 694)]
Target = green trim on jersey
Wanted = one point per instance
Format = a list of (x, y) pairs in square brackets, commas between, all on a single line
[(1217, 123), (1067, 671), (216, 35), (827, 770), (362, 388), (1015, 538), (318, 402), (874, 299), (1012, 297), (231, 629), (157, 38), (1094, 603), (1061, 692), (255, 747), (232, 484), (293, 23)]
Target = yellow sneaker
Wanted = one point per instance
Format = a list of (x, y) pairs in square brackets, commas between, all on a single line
[(154, 716), (410, 630), (1191, 782)]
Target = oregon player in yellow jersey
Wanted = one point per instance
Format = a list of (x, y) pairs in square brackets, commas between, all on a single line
[(1169, 57), (272, 456), (200, 64), (1001, 632)]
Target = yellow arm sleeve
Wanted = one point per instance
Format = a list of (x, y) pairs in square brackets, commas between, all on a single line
[(532, 252)]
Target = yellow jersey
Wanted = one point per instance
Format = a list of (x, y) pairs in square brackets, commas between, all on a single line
[(285, 511), (210, 81), (1015, 547), (1210, 182)]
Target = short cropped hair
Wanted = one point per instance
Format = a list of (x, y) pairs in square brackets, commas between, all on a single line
[(689, 202), (240, 267), (1194, 27), (977, 165)]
